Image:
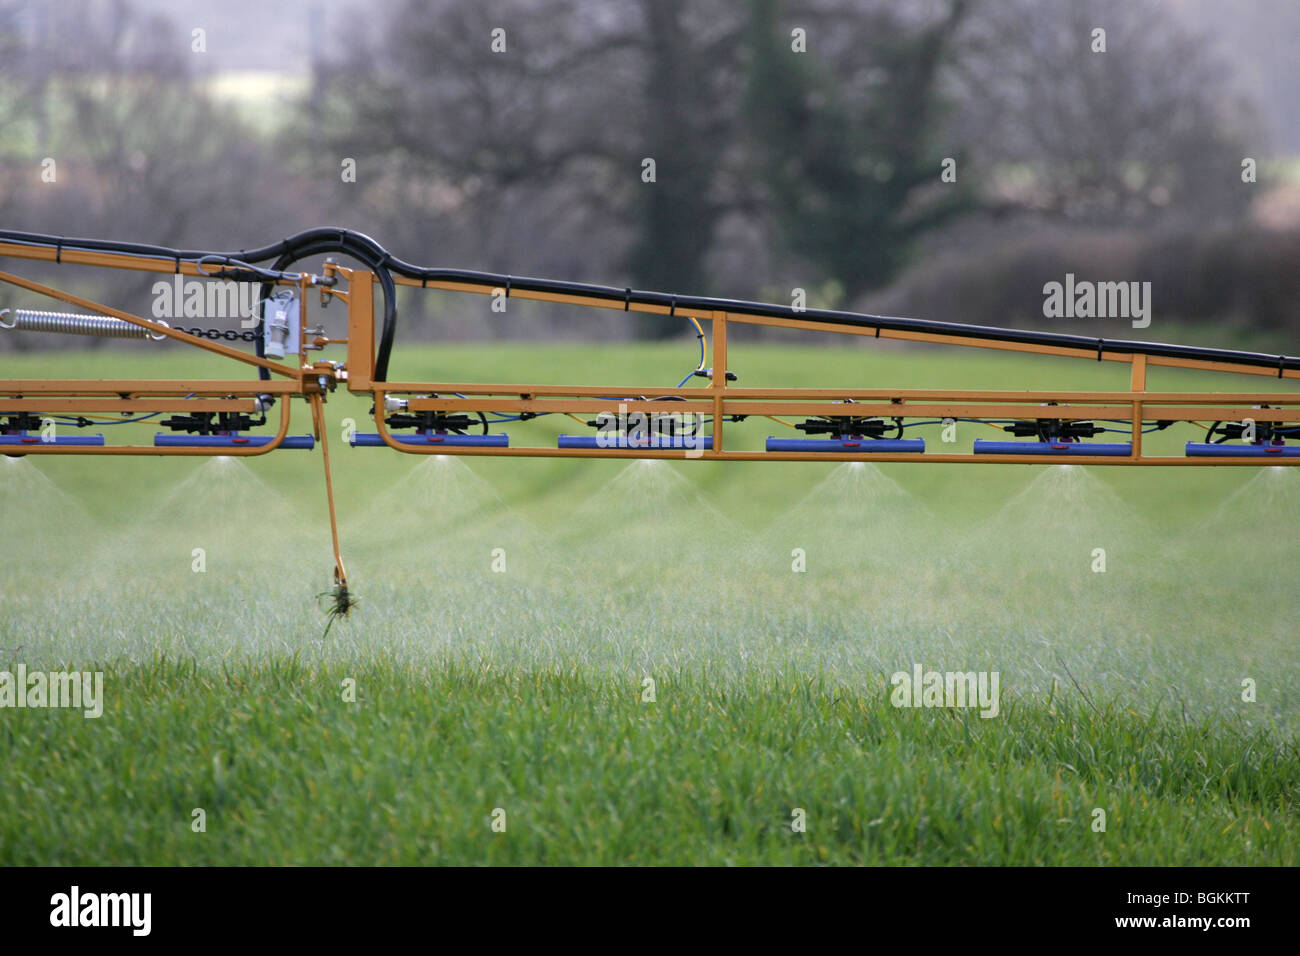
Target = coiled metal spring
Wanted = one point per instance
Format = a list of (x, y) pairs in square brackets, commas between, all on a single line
[(71, 323)]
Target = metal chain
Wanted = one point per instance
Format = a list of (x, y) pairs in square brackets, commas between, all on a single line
[(230, 335)]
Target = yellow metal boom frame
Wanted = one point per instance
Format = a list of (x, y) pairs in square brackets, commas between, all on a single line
[(313, 381), (719, 400)]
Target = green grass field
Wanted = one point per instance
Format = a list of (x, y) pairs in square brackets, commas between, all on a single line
[(458, 696)]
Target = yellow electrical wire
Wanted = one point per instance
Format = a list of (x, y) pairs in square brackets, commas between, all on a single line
[(703, 338)]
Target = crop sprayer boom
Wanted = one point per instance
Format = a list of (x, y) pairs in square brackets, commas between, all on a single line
[(218, 417)]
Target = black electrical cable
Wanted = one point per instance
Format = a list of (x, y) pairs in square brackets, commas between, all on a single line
[(320, 245), (367, 251)]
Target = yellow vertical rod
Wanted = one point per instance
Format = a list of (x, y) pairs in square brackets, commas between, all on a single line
[(719, 374), (318, 418), (1138, 383)]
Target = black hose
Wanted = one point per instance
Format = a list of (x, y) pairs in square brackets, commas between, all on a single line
[(364, 249), (321, 245)]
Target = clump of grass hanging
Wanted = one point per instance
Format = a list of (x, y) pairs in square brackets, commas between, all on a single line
[(341, 603)]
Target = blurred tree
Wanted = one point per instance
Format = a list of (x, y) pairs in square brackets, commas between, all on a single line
[(1144, 128), (847, 141), (141, 149), (141, 152), (688, 103), (530, 158), (488, 140)]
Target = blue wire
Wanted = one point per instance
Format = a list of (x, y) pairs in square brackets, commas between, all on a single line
[(516, 418), (124, 421), (699, 335), (987, 421), (609, 398), (995, 421)]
